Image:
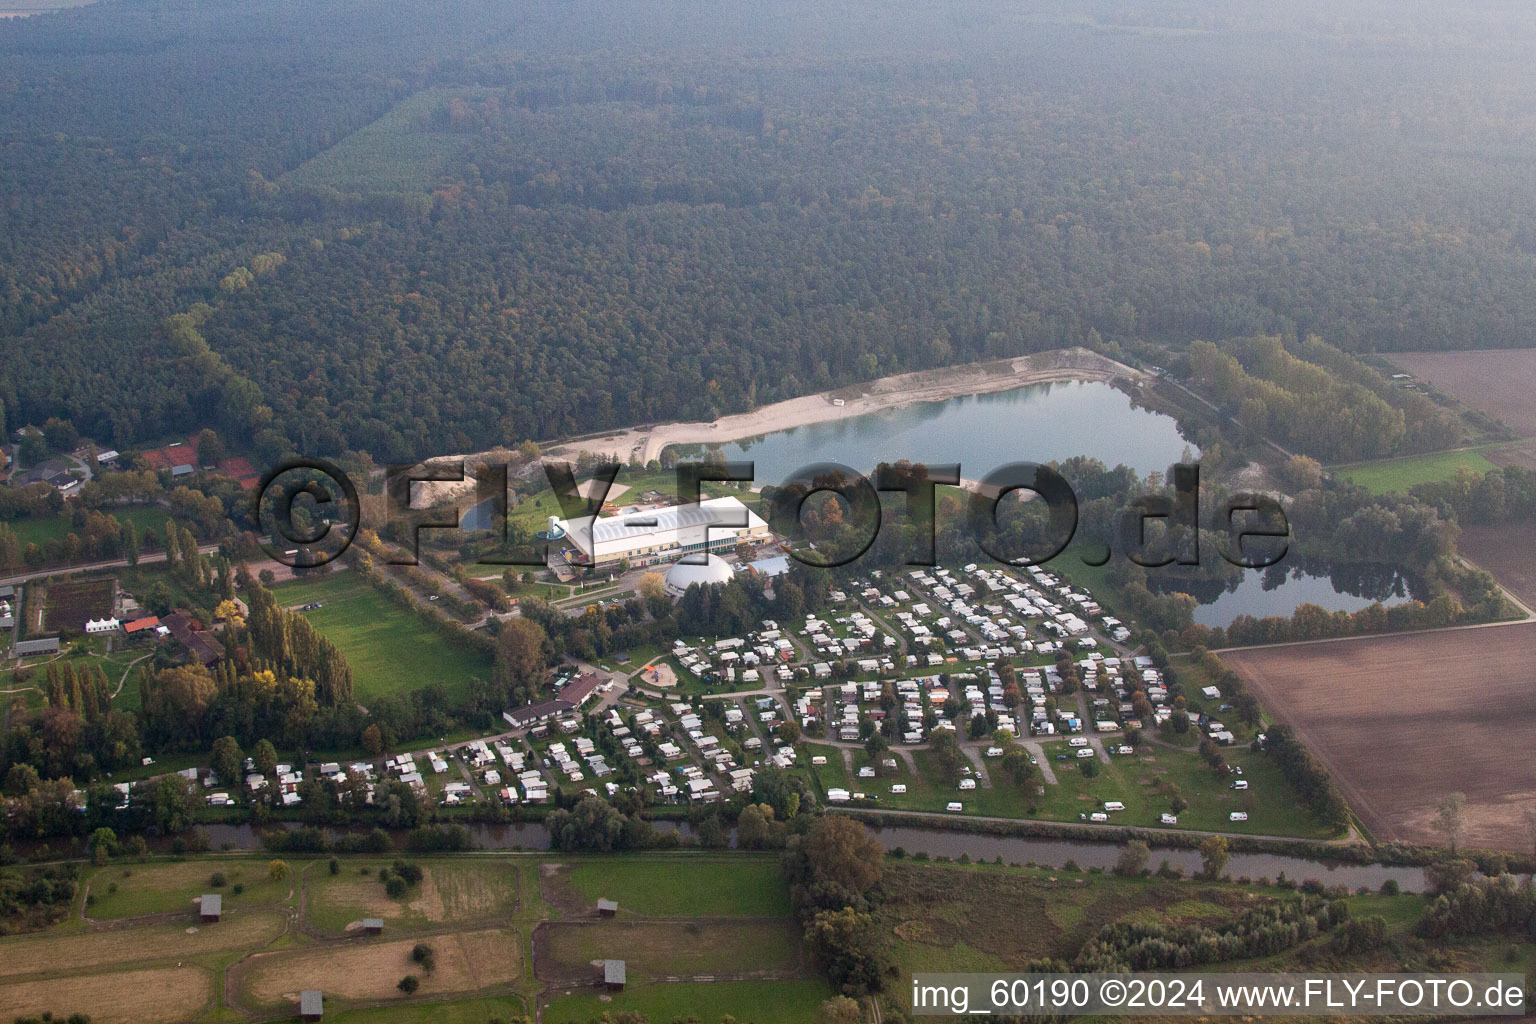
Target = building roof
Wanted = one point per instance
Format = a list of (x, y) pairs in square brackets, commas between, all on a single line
[(311, 1002), (778, 565), (140, 624), (529, 714), (613, 972), (614, 536), (205, 647), (683, 575), (373, 922), (44, 645), (579, 689), (212, 903), (608, 905)]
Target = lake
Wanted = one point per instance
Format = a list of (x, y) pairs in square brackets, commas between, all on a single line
[(1037, 423), (1281, 589)]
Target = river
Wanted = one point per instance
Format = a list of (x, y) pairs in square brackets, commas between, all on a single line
[(1055, 853)]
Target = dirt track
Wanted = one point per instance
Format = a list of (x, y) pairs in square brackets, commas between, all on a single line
[(1403, 721)]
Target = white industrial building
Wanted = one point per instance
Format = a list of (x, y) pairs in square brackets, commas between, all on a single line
[(662, 535)]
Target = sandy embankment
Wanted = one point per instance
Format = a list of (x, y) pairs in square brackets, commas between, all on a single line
[(646, 443)]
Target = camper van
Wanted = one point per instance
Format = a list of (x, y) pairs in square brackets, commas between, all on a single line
[(899, 788), (1098, 816), (1239, 816), (1085, 752), (1078, 741), (1170, 819), (954, 805), (1240, 784), (1113, 805), (818, 760)]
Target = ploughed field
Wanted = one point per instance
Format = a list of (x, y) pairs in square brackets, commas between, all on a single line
[(1493, 381), (1403, 721), (1508, 551)]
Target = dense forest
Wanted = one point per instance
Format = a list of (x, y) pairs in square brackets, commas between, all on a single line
[(416, 228)]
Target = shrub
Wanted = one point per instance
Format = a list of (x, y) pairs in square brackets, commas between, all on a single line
[(238, 889), (216, 880), (335, 866), (409, 984), (395, 886)]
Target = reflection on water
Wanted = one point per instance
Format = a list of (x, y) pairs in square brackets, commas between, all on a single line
[(1280, 589), (939, 843), (1038, 423)]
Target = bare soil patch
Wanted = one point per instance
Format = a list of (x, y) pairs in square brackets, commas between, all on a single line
[(466, 962), (69, 605), (128, 997), (1402, 721), (1493, 381), (1523, 455), (1508, 551)]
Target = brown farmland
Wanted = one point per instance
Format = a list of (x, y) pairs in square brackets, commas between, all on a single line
[(1402, 721), (1508, 551), (1493, 381)]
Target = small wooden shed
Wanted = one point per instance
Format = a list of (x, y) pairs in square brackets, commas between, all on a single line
[(373, 926), (311, 1005), (607, 908), (613, 975), (210, 908)]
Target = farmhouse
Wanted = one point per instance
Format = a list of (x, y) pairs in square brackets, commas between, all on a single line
[(647, 537), (137, 626), (200, 643), (210, 908)]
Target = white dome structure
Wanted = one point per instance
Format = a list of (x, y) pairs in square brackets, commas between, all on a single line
[(682, 575)]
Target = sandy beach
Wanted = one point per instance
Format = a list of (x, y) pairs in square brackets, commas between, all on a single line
[(646, 443)]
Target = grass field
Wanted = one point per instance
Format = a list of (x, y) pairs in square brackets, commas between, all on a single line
[(400, 152), (164, 888), (459, 1011), (685, 886), (448, 891), (370, 969), (1141, 781), (41, 531), (1403, 721), (55, 954), (659, 949), (389, 649), (1401, 474), (761, 1002)]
